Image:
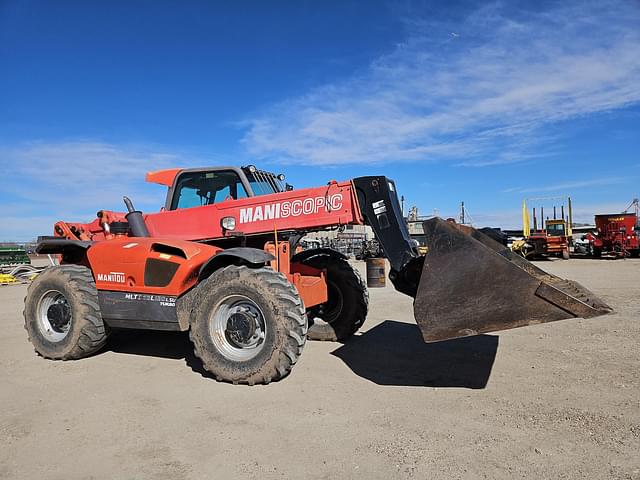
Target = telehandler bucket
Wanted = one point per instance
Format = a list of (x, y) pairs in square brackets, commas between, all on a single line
[(471, 284)]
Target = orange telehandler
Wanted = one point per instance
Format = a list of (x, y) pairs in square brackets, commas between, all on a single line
[(219, 261)]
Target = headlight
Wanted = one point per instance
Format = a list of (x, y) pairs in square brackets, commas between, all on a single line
[(228, 223), (281, 177), (252, 168)]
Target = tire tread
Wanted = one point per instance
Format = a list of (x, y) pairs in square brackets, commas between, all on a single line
[(93, 332), (354, 282), (293, 316)]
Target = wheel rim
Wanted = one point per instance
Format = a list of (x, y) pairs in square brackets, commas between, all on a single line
[(54, 316), (238, 328)]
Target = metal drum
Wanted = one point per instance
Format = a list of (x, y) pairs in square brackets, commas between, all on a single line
[(376, 276)]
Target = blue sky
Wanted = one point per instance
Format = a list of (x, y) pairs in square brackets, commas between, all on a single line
[(483, 102)]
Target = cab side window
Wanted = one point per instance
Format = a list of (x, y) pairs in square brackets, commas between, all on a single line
[(195, 189)]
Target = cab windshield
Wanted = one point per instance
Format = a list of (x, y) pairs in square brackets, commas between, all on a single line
[(200, 188), (196, 189), (555, 229)]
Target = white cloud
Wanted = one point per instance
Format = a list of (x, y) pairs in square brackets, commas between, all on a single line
[(479, 98), (563, 187), (47, 182)]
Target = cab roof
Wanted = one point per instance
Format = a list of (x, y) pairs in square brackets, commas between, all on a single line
[(163, 177)]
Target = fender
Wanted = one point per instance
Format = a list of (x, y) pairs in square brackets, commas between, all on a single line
[(244, 255), (71, 251), (315, 252), (48, 245)]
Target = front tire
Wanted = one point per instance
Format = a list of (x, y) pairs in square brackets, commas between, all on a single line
[(248, 325), (62, 313), (345, 312)]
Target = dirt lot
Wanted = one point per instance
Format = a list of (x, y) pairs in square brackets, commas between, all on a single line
[(559, 400)]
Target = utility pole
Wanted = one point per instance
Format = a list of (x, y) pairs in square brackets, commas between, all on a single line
[(635, 204), (462, 213), (570, 218)]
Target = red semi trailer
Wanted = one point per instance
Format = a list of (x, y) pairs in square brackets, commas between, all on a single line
[(615, 233)]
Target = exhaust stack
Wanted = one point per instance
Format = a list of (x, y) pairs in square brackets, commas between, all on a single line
[(137, 227)]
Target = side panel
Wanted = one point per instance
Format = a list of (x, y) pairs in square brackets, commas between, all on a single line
[(311, 208), (138, 310), (148, 265)]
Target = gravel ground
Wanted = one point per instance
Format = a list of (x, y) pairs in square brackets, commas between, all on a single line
[(560, 400)]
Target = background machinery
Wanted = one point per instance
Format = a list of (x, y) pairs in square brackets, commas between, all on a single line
[(370, 249), (616, 233), (15, 265), (550, 238), (219, 262), (12, 256)]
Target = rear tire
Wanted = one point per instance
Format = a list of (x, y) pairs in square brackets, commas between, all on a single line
[(346, 310), (62, 313), (248, 325), (596, 252)]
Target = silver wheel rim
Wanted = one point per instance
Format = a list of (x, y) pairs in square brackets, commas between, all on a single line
[(237, 328), (54, 316)]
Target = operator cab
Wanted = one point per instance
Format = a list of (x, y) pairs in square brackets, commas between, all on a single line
[(199, 187), (556, 228)]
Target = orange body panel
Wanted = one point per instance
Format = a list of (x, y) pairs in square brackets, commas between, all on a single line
[(310, 282), (557, 244), (554, 243), (122, 264), (119, 264), (312, 289), (282, 262)]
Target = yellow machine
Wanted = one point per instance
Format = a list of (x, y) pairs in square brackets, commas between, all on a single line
[(552, 238), (6, 279)]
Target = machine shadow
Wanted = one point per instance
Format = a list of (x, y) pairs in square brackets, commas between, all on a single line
[(152, 343), (393, 353)]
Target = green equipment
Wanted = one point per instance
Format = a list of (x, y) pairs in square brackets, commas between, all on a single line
[(13, 256)]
